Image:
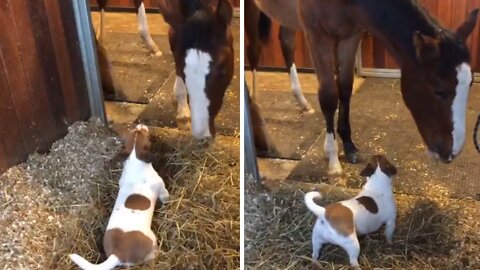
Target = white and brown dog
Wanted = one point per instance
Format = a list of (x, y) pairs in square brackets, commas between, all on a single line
[(341, 222), (129, 239)]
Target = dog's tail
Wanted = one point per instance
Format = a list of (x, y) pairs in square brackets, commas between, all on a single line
[(109, 264), (311, 205)]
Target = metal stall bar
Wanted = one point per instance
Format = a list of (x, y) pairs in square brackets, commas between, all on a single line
[(89, 58), (250, 157)]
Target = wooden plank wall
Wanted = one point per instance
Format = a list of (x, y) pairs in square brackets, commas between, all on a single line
[(449, 13), (42, 88), (147, 3)]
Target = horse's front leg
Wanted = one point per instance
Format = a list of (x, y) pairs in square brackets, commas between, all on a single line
[(183, 111), (254, 47), (322, 48), (287, 42), (345, 52)]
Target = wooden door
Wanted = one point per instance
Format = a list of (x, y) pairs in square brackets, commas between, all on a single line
[(147, 3), (450, 13), (42, 82)]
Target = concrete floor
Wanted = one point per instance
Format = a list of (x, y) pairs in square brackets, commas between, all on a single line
[(384, 127)]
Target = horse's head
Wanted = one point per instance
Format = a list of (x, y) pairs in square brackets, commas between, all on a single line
[(436, 89), (202, 45)]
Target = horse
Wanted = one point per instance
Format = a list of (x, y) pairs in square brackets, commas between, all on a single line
[(435, 65), (257, 30), (201, 42), (142, 25)]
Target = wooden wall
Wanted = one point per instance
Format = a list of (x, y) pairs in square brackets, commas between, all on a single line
[(147, 3), (450, 13), (42, 87)]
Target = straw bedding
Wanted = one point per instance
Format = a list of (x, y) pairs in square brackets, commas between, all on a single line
[(59, 203), (433, 232)]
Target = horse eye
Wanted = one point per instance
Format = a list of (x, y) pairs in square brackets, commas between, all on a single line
[(440, 94)]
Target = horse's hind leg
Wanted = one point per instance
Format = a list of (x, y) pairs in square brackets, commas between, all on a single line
[(287, 41), (101, 25), (345, 53), (322, 48), (143, 28)]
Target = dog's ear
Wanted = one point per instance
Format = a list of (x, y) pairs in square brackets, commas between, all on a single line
[(386, 167), (368, 170)]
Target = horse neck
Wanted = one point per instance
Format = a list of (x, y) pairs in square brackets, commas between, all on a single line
[(394, 22)]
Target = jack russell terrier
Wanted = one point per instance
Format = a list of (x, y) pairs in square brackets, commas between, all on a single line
[(340, 223), (129, 239)]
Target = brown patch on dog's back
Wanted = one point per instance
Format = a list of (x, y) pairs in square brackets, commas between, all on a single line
[(137, 202), (368, 203), (130, 247), (340, 218)]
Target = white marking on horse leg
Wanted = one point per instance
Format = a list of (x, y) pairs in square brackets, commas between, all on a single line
[(197, 67), (459, 107), (144, 31), (254, 85), (297, 91), (101, 26), (331, 150), (180, 91)]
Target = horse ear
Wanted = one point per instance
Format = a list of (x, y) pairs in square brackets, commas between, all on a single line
[(225, 11), (427, 48), (467, 27)]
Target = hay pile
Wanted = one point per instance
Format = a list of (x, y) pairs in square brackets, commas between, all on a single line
[(436, 233), (59, 203)]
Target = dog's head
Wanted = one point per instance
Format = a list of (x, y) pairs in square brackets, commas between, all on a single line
[(138, 140), (378, 162)]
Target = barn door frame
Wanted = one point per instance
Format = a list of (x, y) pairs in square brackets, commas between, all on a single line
[(88, 50)]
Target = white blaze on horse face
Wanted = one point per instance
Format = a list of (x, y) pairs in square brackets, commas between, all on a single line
[(331, 150), (197, 67), (459, 107), (297, 90)]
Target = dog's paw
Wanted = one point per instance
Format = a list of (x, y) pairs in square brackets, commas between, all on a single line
[(164, 198)]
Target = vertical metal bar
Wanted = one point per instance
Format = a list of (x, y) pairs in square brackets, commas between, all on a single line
[(250, 157), (89, 57)]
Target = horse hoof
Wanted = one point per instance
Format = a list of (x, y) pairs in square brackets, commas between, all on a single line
[(353, 158), (183, 123), (309, 111), (335, 169)]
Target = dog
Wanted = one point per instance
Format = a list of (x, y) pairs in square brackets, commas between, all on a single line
[(341, 222), (128, 239)]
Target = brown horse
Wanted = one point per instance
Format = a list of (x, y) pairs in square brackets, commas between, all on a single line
[(202, 45), (436, 74), (142, 25)]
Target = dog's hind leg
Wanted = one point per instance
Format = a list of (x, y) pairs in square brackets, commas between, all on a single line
[(352, 247), (389, 229), (317, 243)]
